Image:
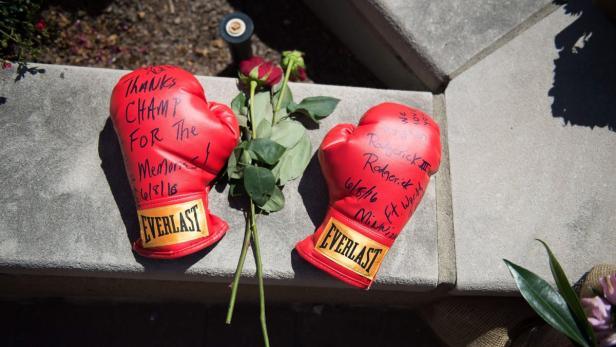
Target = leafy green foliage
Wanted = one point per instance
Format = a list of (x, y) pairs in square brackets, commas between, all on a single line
[(287, 133), (259, 184), (275, 202), (20, 35), (568, 294), (316, 108), (546, 301), (561, 309), (262, 108), (281, 149), (266, 150), (294, 161)]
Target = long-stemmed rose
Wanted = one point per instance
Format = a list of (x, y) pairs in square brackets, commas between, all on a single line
[(274, 150)]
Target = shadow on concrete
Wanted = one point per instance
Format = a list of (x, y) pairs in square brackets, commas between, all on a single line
[(313, 190), (288, 25), (112, 164), (24, 69), (584, 88)]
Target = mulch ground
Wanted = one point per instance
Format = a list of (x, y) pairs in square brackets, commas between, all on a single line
[(124, 34)]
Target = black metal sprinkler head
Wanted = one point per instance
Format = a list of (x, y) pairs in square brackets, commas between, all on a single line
[(236, 29)]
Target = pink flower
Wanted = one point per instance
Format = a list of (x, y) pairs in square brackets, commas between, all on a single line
[(40, 25), (260, 70), (599, 313), (298, 75), (608, 283)]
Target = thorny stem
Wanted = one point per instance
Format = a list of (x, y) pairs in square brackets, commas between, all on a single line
[(238, 272), (247, 233), (257, 250), (287, 74), (253, 126)]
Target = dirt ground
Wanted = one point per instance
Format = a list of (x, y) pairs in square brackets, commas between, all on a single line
[(124, 34)]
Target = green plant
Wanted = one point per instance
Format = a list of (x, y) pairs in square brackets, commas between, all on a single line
[(21, 29), (561, 309)]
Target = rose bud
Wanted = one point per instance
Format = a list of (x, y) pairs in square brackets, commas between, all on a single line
[(257, 69), (298, 75), (295, 60), (40, 25)]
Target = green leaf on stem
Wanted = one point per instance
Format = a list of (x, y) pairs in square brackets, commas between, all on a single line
[(275, 202), (232, 168), (245, 158), (294, 161), (237, 103), (264, 130), (287, 132), (242, 120), (262, 108), (546, 301), (266, 150), (571, 298), (281, 114), (259, 184), (316, 107)]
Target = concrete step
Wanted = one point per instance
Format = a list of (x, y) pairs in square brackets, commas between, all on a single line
[(422, 44), (532, 143), (68, 210)]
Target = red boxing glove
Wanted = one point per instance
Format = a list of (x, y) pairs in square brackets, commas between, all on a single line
[(376, 174), (174, 143)]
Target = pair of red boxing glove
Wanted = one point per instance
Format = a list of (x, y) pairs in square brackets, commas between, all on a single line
[(174, 143)]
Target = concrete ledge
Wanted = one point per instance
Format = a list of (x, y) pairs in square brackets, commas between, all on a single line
[(532, 141), (68, 210), (423, 44)]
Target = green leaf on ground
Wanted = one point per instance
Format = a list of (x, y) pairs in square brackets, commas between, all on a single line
[(294, 161), (316, 107), (546, 301), (259, 184), (571, 298), (267, 150)]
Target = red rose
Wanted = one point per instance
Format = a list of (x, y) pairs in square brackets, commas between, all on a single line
[(298, 75), (40, 25), (260, 70), (6, 65)]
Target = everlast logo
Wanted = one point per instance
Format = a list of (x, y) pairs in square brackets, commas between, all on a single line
[(351, 249), (172, 224)]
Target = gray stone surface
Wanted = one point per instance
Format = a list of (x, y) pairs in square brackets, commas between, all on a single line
[(532, 149), (432, 38), (67, 209)]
